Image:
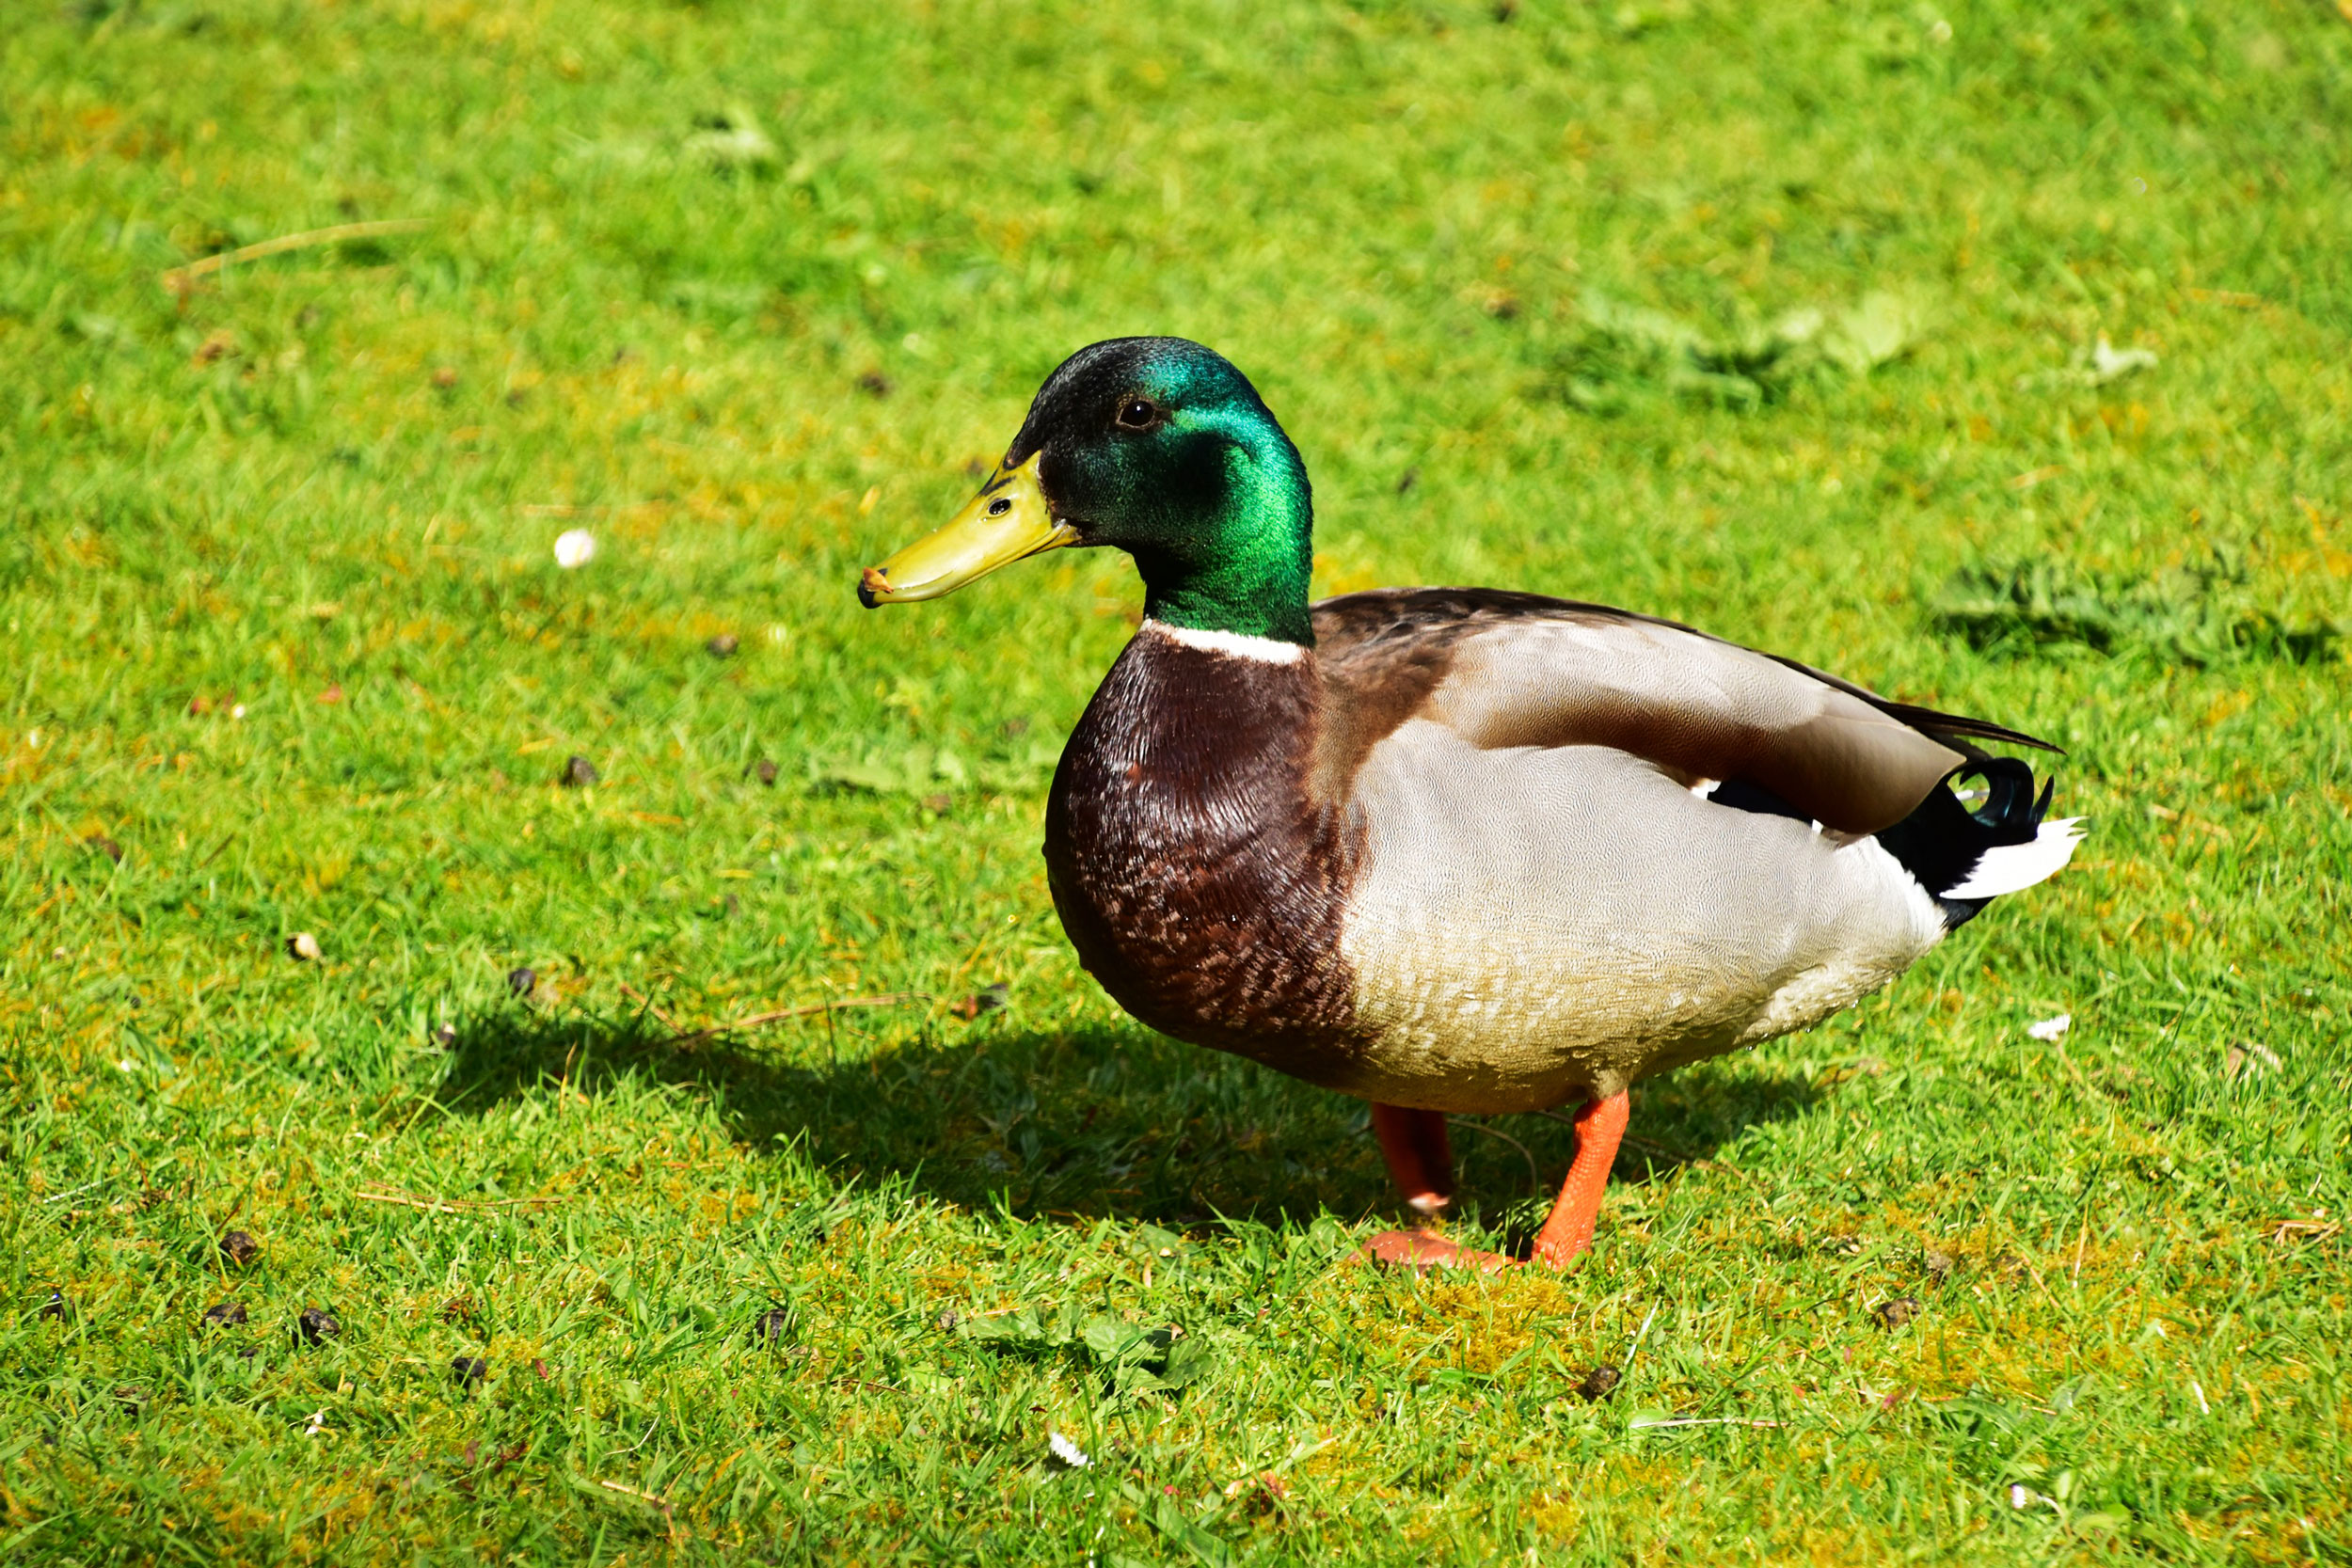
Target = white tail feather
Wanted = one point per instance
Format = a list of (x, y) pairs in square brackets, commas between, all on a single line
[(2009, 866)]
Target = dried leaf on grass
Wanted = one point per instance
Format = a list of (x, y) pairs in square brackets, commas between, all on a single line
[(731, 140), (2095, 366), (2203, 614), (1136, 1359), (1629, 352), (923, 770)]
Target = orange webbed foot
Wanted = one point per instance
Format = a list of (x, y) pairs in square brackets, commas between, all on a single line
[(1426, 1249)]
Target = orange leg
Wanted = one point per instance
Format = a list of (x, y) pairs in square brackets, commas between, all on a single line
[(1421, 1161), (1569, 1228), (1419, 1156)]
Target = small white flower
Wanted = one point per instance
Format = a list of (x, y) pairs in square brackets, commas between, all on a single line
[(2051, 1028), (1067, 1452), (575, 547), (126, 1065), (237, 712), (2018, 1496), (318, 1422)]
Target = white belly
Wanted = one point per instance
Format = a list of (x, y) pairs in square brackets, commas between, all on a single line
[(1530, 926)]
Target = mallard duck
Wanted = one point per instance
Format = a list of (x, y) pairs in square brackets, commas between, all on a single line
[(1453, 850)]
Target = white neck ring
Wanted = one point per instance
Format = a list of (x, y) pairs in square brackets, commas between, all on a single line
[(1231, 644)]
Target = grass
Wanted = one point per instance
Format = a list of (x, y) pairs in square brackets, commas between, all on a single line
[(746, 290)]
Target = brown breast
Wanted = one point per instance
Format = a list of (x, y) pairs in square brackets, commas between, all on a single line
[(1198, 878)]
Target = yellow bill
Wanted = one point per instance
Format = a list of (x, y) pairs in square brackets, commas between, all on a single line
[(1006, 521)]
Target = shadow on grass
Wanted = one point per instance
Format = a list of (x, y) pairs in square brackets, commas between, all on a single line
[(1087, 1122)]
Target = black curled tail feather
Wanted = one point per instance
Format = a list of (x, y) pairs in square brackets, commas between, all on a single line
[(1941, 842)]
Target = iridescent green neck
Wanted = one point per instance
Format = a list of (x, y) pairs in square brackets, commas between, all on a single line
[(1247, 568)]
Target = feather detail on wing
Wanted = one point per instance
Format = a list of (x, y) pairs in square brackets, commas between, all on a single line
[(1507, 670)]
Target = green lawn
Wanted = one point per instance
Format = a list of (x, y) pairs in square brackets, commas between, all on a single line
[(746, 290)]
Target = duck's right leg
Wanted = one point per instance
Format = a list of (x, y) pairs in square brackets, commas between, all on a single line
[(1421, 1161), (1419, 1156)]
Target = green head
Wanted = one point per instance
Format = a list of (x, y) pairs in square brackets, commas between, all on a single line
[(1158, 447)]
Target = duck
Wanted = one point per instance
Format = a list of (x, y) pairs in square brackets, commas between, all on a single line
[(1454, 851)]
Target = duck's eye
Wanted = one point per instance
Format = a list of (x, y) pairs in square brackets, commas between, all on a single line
[(1135, 413), (999, 507)]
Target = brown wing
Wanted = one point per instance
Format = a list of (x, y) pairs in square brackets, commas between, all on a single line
[(1507, 669)]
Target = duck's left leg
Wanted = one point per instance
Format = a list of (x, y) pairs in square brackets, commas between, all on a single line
[(1569, 1228)]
